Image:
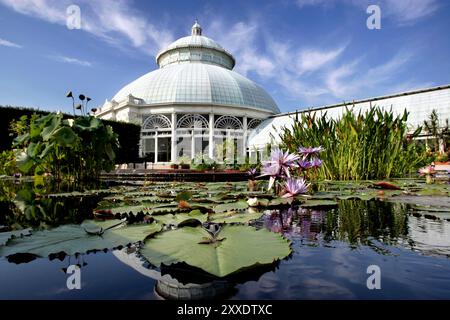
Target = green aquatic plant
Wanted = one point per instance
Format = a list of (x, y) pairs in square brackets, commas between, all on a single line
[(371, 145), (78, 148)]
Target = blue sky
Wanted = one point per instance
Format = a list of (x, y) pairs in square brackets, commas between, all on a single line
[(303, 52)]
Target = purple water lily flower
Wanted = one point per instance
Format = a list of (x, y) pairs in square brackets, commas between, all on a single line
[(304, 164), (272, 170), (252, 172), (294, 187), (283, 161), (310, 151), (316, 162)]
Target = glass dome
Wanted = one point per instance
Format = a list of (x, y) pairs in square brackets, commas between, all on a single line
[(197, 70), (198, 83)]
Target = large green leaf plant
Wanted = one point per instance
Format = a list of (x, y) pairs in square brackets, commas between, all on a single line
[(78, 148)]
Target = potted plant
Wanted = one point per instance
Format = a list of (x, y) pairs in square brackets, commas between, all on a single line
[(184, 163)]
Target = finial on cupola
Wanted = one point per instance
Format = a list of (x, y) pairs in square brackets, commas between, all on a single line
[(196, 29)]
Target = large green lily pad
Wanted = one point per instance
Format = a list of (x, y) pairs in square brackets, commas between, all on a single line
[(318, 203), (181, 218), (236, 247), (71, 239), (236, 217), (6, 236), (232, 206)]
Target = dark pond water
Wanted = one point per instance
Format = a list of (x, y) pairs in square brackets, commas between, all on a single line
[(332, 250)]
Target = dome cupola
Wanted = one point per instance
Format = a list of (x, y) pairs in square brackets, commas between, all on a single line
[(196, 29), (195, 48)]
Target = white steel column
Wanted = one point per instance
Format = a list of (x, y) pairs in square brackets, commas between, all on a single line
[(193, 143), (244, 142), (211, 136), (173, 152), (156, 147)]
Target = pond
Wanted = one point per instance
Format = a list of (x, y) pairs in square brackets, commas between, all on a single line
[(334, 237)]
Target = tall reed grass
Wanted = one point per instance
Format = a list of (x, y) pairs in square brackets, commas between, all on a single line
[(370, 145)]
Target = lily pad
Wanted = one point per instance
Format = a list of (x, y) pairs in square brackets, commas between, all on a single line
[(235, 247), (126, 209), (232, 206), (6, 236), (71, 239), (235, 217), (279, 202), (181, 218), (318, 203), (361, 196), (258, 202)]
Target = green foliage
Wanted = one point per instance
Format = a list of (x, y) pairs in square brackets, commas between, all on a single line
[(77, 148), (227, 151), (11, 126), (203, 162), (7, 163), (370, 145), (438, 130)]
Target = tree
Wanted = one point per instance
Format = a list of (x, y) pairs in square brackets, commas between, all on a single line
[(439, 132)]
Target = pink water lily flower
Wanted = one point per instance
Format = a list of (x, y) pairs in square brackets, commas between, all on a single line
[(429, 170), (294, 187)]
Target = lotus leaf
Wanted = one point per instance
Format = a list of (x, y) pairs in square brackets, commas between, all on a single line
[(65, 136)]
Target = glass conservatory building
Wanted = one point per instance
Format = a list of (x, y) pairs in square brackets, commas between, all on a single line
[(419, 103), (193, 104)]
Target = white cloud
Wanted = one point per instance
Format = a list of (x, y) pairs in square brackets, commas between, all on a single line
[(408, 11), (241, 40), (313, 59), (113, 21), (71, 60), (349, 80), (10, 44), (306, 3), (280, 62), (314, 74), (402, 11)]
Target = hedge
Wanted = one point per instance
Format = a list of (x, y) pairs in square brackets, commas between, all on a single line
[(129, 133)]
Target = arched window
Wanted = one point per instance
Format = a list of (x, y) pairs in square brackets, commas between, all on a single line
[(228, 122), (189, 121), (156, 121), (252, 124)]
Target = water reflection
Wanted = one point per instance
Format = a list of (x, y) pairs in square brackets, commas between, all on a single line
[(27, 204), (362, 223), (331, 248), (169, 287)]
